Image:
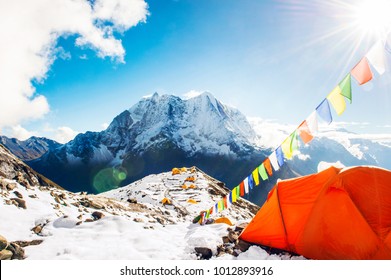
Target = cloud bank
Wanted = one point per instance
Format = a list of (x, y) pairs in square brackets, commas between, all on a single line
[(29, 33)]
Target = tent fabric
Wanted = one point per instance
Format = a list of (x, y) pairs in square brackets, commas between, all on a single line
[(334, 214)]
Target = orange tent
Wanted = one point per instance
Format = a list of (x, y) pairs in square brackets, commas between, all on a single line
[(335, 214)]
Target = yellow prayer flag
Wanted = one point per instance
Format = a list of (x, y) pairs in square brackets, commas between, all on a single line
[(234, 194), (256, 176), (286, 148), (337, 100)]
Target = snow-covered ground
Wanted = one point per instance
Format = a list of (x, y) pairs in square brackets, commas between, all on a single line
[(128, 230)]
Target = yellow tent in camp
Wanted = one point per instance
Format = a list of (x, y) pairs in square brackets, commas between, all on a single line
[(192, 186), (183, 169), (166, 201), (184, 187), (224, 220), (192, 201), (190, 179), (175, 171)]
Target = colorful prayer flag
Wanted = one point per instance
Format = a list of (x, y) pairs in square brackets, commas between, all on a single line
[(268, 166), (362, 72), (234, 195), (305, 133), (346, 87), (289, 145), (312, 122), (242, 189), (336, 99), (246, 190), (250, 181), (207, 214), (229, 199), (377, 57), (274, 161), (211, 210), (280, 156), (256, 176), (262, 172), (225, 201), (237, 191), (324, 112)]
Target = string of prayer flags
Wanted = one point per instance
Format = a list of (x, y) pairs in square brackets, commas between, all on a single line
[(256, 177), (377, 57), (337, 100), (262, 172), (305, 133), (274, 161), (324, 112), (362, 72), (268, 166), (346, 87), (280, 156)]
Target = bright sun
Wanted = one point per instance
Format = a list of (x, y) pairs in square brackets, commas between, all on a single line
[(373, 17)]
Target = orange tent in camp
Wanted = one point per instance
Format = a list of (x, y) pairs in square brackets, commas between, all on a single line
[(334, 214)]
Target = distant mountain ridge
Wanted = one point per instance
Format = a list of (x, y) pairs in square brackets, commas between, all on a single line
[(155, 135), (29, 149)]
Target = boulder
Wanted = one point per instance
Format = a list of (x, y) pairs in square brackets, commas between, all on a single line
[(3, 243), (241, 227), (233, 236), (17, 251), (132, 200), (204, 253), (18, 194), (37, 229), (138, 220), (225, 239), (89, 220), (96, 204), (97, 215), (11, 186), (29, 243), (19, 202), (242, 245), (5, 255)]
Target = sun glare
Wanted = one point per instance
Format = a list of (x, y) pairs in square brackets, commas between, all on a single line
[(373, 17)]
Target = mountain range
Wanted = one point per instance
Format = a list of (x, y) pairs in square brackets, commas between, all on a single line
[(165, 131)]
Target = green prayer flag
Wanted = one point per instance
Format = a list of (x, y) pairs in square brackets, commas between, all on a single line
[(346, 87), (294, 142), (262, 172)]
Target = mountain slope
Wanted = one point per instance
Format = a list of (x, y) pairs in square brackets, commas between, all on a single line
[(29, 149), (53, 223), (154, 135)]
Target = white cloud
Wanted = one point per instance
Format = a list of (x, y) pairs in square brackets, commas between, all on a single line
[(104, 125), (64, 134), (19, 132), (29, 34), (192, 93)]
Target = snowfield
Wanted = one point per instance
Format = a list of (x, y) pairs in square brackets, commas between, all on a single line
[(142, 230)]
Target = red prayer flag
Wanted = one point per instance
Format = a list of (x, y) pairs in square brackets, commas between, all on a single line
[(268, 166), (304, 132), (242, 188), (225, 202), (211, 211), (362, 72)]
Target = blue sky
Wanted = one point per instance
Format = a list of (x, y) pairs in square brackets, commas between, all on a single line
[(270, 59)]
